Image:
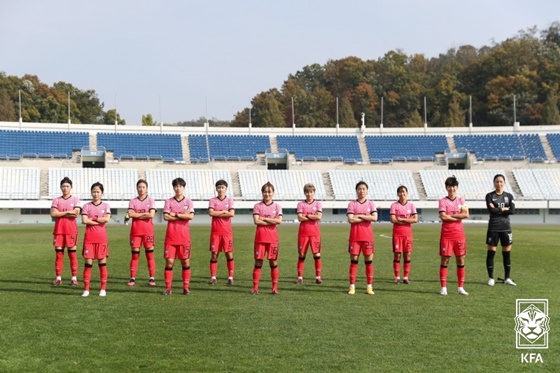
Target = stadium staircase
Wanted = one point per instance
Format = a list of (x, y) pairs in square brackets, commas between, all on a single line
[(419, 185), (513, 182), (236, 184), (186, 149), (363, 150), (44, 184), (546, 147), (328, 185), (273, 144), (451, 144)]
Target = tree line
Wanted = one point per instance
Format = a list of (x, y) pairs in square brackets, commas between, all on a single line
[(522, 72)]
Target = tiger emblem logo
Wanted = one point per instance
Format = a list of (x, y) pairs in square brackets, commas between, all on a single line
[(532, 324)]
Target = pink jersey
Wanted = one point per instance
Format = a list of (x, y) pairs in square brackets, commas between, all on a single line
[(402, 211), (178, 232), (96, 233), (221, 225), (142, 227), (65, 225), (267, 233), (361, 231), (311, 227), (452, 230)]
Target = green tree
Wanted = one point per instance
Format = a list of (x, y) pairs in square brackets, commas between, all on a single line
[(147, 120), (7, 109), (267, 110), (455, 117), (551, 114), (110, 116), (346, 114)]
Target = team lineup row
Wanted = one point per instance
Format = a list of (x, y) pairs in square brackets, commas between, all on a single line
[(267, 214)]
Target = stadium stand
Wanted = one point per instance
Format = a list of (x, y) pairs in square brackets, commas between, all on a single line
[(554, 142), (384, 149), (382, 184), (227, 147), (200, 183), (20, 183), (140, 146), (503, 147), (473, 184), (322, 148), (288, 184), (538, 184), (17, 144), (119, 183)]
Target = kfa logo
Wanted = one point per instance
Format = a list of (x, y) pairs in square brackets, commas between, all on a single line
[(531, 323)]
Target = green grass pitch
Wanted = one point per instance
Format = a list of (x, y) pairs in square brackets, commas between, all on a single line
[(306, 328)]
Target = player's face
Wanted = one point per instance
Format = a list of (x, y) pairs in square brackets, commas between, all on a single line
[(179, 190), (403, 194), (361, 192), (142, 189), (309, 195), (66, 189), (96, 194), (221, 190), (499, 184), (451, 190), (267, 194)]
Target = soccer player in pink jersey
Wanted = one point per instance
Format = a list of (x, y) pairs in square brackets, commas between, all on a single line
[(452, 210), (402, 214), (178, 211), (360, 214), (267, 214), (95, 215), (309, 213), (65, 209), (142, 210), (221, 209)]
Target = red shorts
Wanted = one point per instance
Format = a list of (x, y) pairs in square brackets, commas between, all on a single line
[(65, 240), (309, 241), (177, 252), (221, 242), (402, 244), (142, 241), (95, 251), (448, 247), (262, 248), (365, 247)]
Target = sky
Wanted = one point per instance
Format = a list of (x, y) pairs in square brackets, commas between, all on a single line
[(181, 60)]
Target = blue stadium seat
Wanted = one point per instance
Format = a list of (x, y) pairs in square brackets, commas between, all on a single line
[(44, 144), (404, 148), (322, 148), (142, 146), (227, 147), (502, 147)]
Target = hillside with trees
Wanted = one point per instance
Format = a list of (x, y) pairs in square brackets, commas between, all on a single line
[(524, 68)]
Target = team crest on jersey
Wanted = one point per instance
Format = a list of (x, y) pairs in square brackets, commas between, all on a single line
[(506, 200)]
